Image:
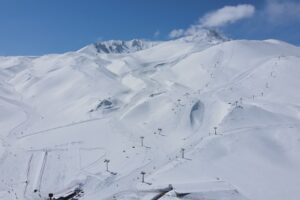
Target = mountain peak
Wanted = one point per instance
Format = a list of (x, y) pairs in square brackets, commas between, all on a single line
[(204, 34), (121, 46)]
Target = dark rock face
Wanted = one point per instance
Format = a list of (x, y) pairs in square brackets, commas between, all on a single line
[(105, 104), (118, 46)]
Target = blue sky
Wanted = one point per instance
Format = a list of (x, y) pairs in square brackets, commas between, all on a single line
[(36, 27)]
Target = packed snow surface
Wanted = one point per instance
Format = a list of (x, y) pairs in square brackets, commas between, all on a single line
[(203, 117)]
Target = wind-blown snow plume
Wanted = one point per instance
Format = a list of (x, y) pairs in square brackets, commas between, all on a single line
[(221, 17), (227, 15), (176, 33)]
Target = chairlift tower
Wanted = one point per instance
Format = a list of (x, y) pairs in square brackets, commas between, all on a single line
[(143, 176), (142, 140), (215, 130), (106, 163), (182, 152)]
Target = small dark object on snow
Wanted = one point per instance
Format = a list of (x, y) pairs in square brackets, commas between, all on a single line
[(73, 196), (50, 196)]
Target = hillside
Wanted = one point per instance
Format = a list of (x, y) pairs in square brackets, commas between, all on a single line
[(231, 106)]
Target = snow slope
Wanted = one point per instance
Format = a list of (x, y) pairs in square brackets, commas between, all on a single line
[(63, 115)]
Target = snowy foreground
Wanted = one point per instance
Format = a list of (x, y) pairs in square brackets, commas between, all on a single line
[(62, 115)]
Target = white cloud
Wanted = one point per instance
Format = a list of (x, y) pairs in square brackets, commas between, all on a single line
[(176, 33), (279, 11), (156, 33), (227, 15), (218, 18)]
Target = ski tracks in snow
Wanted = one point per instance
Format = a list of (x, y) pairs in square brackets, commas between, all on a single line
[(60, 127)]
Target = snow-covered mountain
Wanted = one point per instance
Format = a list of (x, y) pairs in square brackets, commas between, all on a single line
[(202, 116), (119, 46)]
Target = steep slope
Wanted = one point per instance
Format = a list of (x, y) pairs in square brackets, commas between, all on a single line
[(214, 118), (118, 46)]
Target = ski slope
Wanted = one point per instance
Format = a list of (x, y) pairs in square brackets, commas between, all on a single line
[(232, 105)]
